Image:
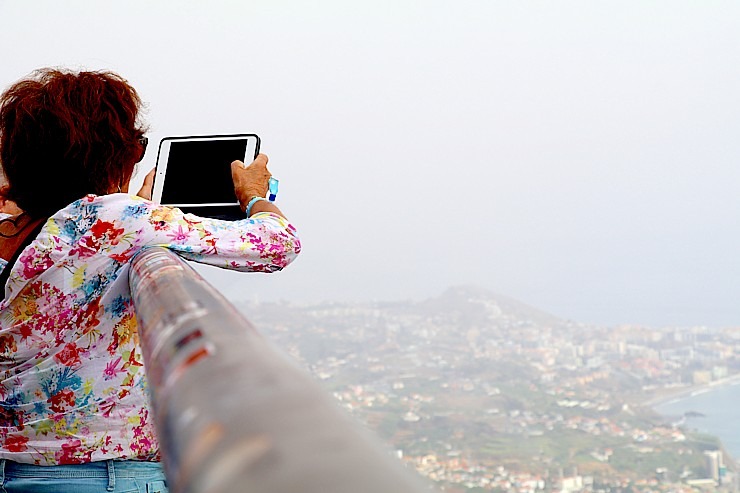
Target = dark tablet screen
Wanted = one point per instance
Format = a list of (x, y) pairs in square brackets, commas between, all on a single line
[(199, 172)]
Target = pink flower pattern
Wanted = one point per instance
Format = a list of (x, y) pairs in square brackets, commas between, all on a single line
[(74, 386)]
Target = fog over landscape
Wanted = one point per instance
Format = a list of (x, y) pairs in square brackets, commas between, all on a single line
[(579, 156)]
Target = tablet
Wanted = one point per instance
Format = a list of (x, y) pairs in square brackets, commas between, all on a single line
[(194, 173)]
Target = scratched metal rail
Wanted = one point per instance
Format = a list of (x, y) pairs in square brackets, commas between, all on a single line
[(231, 412)]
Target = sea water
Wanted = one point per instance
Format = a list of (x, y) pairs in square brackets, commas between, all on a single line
[(719, 410)]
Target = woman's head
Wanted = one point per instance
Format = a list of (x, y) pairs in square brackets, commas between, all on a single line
[(66, 134)]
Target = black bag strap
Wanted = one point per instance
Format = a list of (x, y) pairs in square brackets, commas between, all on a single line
[(5, 274)]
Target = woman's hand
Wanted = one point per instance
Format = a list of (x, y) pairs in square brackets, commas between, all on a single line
[(145, 192), (252, 181)]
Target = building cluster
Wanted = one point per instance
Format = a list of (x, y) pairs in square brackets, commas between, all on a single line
[(479, 392)]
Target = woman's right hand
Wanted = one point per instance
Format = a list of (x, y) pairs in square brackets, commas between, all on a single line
[(250, 181), (253, 181)]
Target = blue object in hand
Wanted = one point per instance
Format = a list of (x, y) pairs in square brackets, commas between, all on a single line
[(273, 187)]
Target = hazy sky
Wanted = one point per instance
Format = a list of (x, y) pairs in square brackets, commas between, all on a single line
[(581, 156)]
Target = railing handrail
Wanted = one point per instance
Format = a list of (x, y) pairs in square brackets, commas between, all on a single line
[(234, 414)]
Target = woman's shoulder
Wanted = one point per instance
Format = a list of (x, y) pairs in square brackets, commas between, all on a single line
[(114, 206), (112, 200), (96, 211)]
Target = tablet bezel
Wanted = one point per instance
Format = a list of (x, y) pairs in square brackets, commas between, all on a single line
[(163, 157)]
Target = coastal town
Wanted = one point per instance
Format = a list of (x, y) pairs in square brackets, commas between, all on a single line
[(479, 393)]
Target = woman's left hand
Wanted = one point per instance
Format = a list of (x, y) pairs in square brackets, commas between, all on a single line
[(145, 191)]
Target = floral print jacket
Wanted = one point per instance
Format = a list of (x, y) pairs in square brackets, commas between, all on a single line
[(73, 387)]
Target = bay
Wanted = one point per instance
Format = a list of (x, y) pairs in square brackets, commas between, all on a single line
[(720, 413)]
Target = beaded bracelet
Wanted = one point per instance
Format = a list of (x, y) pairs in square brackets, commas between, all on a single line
[(252, 202)]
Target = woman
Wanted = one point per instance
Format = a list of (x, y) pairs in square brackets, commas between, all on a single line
[(73, 400)]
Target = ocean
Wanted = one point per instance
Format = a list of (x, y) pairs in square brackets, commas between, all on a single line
[(720, 413)]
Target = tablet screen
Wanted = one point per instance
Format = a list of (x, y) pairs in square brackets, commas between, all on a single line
[(199, 172)]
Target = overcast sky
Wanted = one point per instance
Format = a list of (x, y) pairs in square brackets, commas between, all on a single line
[(581, 156)]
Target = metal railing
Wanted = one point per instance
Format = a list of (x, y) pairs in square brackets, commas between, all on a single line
[(232, 413)]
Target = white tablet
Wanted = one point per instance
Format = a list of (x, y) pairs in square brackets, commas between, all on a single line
[(194, 173)]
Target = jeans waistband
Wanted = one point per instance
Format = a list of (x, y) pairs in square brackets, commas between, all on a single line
[(110, 469)]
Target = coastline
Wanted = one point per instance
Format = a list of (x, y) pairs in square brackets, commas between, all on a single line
[(674, 395), (670, 395)]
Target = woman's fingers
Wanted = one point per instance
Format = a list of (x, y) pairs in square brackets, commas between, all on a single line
[(259, 162), (146, 188)]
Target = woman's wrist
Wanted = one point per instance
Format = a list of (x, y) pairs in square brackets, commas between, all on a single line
[(251, 203), (261, 204)]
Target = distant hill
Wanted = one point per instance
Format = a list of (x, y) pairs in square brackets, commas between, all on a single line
[(474, 298), (467, 305)]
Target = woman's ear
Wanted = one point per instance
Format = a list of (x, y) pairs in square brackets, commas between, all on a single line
[(7, 206)]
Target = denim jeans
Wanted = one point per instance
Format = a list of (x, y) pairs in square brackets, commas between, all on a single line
[(94, 477)]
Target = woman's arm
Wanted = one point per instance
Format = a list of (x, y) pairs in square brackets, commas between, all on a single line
[(265, 242)]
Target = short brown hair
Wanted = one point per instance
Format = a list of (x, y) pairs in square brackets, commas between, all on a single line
[(67, 134)]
